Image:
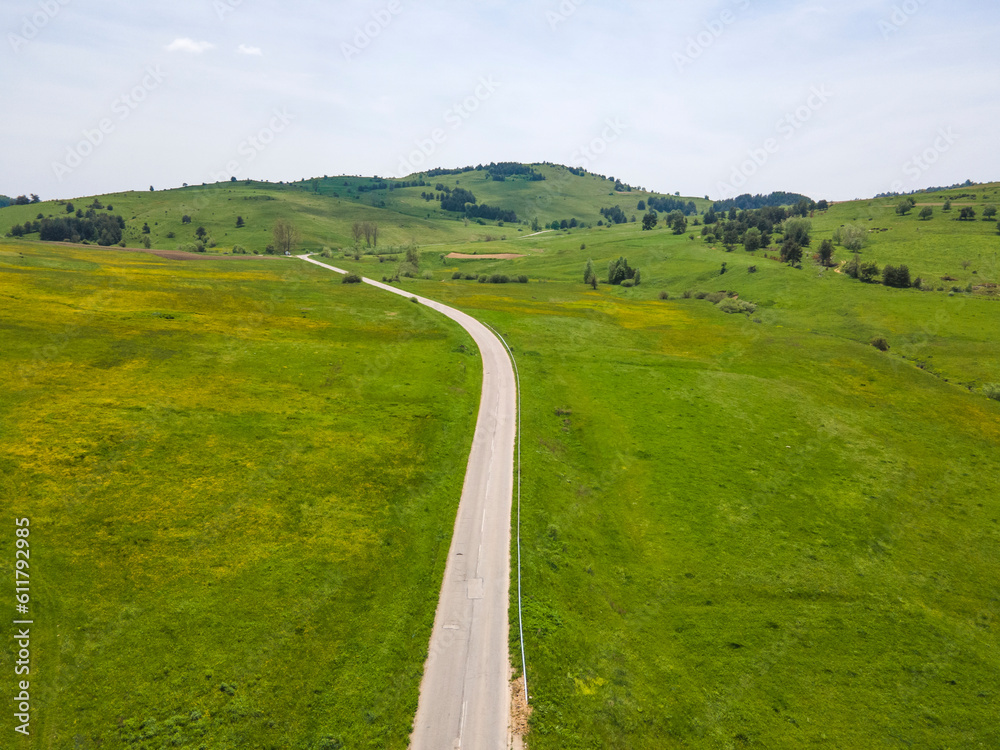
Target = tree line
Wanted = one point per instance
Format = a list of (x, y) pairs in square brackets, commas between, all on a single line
[(104, 229)]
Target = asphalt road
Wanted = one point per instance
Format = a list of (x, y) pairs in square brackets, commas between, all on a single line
[(465, 692)]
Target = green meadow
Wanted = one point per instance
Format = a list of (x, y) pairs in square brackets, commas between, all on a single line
[(755, 530), (740, 530), (240, 509)]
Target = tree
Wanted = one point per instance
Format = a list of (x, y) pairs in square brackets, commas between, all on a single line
[(69, 208), (588, 272), (145, 228), (904, 208), (989, 212), (650, 220), (619, 271), (798, 230), (200, 233), (285, 236), (896, 276), (185, 219), (239, 222), (752, 240), (535, 226), (357, 231), (967, 214), (641, 206), (826, 253), (791, 252), (926, 213), (947, 206)]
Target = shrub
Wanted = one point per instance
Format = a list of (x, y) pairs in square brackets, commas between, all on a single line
[(351, 278), (628, 283), (664, 295), (687, 294), (483, 279), (457, 276), (700, 295), (522, 279), (499, 278), (868, 271), (880, 343), (751, 269), (896, 276), (427, 275), (239, 250), (731, 306), (992, 390), (716, 297), (470, 277)]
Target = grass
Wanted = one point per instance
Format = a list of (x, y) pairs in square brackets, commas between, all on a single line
[(728, 546), (740, 531), (240, 513)]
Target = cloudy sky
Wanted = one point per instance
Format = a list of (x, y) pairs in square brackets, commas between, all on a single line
[(832, 99)]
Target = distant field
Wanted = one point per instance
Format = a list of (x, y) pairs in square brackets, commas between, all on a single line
[(240, 509)]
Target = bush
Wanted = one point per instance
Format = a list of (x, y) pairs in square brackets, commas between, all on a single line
[(687, 294), (427, 275), (483, 279), (499, 278), (628, 283), (751, 269), (868, 271), (522, 279), (992, 390), (700, 295), (239, 250), (880, 343), (896, 276), (716, 297), (351, 278), (470, 277), (457, 276), (731, 306), (664, 295)]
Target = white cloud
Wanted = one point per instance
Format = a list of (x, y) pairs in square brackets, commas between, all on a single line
[(185, 44), (248, 50)]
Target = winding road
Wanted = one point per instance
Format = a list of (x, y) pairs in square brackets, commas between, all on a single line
[(465, 691)]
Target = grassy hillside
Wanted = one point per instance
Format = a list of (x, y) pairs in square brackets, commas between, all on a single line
[(741, 530), (239, 513), (755, 531), (324, 210)]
